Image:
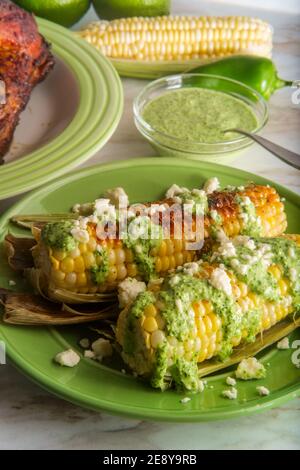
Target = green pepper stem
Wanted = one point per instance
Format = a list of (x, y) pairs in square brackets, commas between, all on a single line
[(282, 83)]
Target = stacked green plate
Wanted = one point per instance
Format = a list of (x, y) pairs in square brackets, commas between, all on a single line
[(99, 111)]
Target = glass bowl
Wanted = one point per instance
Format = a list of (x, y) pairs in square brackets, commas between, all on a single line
[(220, 152)]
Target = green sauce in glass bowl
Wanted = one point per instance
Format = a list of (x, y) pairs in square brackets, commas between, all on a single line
[(181, 119)]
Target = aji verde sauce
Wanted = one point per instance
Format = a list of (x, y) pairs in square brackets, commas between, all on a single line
[(199, 115)]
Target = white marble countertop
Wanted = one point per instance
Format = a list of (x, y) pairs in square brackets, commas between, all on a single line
[(31, 418)]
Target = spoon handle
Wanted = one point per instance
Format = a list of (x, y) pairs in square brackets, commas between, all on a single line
[(291, 158)]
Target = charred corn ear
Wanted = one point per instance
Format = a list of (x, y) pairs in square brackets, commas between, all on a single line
[(97, 266), (171, 38), (206, 310)]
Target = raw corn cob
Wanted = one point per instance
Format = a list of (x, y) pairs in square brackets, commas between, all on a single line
[(179, 38), (207, 308), (96, 266)]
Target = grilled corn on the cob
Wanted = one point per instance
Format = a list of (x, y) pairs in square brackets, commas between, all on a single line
[(73, 256), (175, 38), (207, 308)]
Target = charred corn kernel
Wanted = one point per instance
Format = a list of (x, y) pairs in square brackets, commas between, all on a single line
[(179, 37), (207, 331), (167, 255)]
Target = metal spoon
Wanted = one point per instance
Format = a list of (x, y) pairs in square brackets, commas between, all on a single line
[(291, 158)]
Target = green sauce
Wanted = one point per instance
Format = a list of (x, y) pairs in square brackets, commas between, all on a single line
[(100, 272), (58, 236), (199, 115)]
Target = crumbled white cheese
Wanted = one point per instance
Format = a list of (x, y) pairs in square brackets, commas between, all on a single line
[(88, 353), (293, 274), (292, 253), (249, 369), (211, 185), (263, 391), (80, 235), (104, 210), (201, 386), (191, 268), (185, 400), (283, 343), (174, 190), (230, 381), (231, 393), (220, 280), (84, 343), (177, 200), (68, 358), (174, 280), (117, 197), (102, 348), (128, 290), (179, 305), (198, 192), (11, 283)]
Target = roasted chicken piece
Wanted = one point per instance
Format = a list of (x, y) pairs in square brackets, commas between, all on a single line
[(25, 60)]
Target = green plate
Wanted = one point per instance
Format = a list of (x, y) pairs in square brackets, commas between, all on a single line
[(102, 387), (98, 113)]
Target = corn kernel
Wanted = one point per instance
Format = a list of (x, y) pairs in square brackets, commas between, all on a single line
[(150, 310), (79, 266), (150, 324), (67, 265)]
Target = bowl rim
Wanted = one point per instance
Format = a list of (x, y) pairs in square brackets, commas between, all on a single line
[(241, 139)]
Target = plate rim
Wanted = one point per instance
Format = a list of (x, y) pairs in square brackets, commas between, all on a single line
[(61, 154), (50, 384)]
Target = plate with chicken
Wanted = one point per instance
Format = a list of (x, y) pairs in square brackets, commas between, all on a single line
[(60, 100)]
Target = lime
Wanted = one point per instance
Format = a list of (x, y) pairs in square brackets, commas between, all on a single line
[(110, 9), (64, 12)]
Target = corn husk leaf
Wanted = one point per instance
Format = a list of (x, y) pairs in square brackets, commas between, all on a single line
[(151, 70), (29, 309), (27, 221), (65, 296), (18, 251), (269, 337), (106, 330)]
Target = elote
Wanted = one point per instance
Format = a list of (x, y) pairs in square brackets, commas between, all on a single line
[(76, 256), (207, 308)]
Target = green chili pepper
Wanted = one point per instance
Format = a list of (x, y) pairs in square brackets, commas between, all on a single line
[(257, 72)]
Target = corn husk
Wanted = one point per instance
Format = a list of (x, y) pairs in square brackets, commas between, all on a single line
[(28, 221), (29, 309), (18, 251), (269, 337), (150, 70)]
